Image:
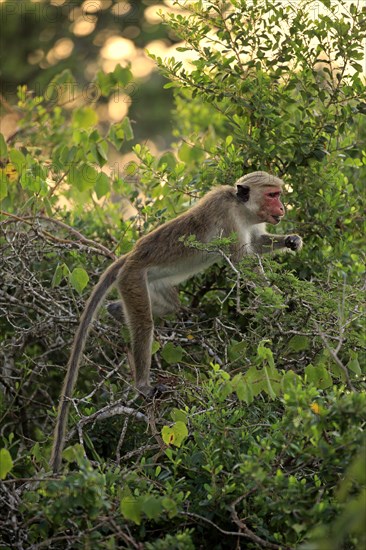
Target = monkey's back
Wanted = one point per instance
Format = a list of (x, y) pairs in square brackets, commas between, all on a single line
[(205, 220)]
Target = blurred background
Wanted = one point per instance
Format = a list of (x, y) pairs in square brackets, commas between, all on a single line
[(41, 38)]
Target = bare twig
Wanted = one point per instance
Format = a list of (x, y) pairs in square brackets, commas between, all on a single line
[(92, 245), (140, 451), (152, 423), (245, 532), (121, 440), (237, 283), (335, 357), (112, 410)]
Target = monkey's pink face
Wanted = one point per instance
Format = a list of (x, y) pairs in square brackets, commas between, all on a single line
[(271, 209)]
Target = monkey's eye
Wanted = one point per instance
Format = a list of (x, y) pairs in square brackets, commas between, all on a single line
[(273, 195)]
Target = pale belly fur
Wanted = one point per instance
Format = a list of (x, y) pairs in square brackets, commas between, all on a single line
[(181, 271)]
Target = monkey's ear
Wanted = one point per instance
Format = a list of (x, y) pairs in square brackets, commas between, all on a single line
[(242, 192)]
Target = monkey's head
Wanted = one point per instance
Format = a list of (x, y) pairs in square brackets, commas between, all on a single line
[(259, 193)]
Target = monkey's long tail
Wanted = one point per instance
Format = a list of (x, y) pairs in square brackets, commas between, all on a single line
[(91, 308)]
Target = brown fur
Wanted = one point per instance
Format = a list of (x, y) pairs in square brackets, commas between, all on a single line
[(146, 276)]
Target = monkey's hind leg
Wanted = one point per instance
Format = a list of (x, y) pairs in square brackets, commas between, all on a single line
[(163, 299)]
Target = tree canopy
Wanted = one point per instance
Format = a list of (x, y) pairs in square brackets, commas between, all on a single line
[(261, 442)]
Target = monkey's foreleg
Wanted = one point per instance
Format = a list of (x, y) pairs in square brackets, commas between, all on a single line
[(269, 243)]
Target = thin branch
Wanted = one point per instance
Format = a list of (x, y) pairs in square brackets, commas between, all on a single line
[(245, 531), (237, 283), (334, 355), (93, 246), (247, 534), (68, 538), (107, 412), (140, 450), (57, 184), (113, 410), (121, 440)]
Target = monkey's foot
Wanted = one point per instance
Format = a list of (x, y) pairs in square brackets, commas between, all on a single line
[(161, 388), (149, 392), (115, 309)]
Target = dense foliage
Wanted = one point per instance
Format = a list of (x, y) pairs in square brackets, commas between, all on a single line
[(260, 444)]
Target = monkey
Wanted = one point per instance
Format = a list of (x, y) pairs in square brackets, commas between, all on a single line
[(146, 277)]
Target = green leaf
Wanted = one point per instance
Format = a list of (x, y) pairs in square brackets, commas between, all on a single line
[(122, 76), (171, 85), (79, 279), (102, 149), (105, 83), (83, 177), (102, 185), (131, 168), (270, 390), (6, 463), (18, 159), (178, 415), (265, 354), (74, 453), (127, 128), (167, 434), (354, 365), (170, 506), (255, 379), (290, 380), (3, 148), (84, 117), (59, 273), (242, 389), (3, 185), (319, 376), (299, 343), (226, 389), (36, 452), (130, 508), (61, 87), (337, 371), (174, 435), (189, 154), (181, 432), (155, 347), (116, 135), (97, 150), (120, 132), (167, 160), (236, 350), (172, 354), (152, 507)]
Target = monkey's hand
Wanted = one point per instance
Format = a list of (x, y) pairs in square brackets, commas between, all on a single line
[(293, 242)]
